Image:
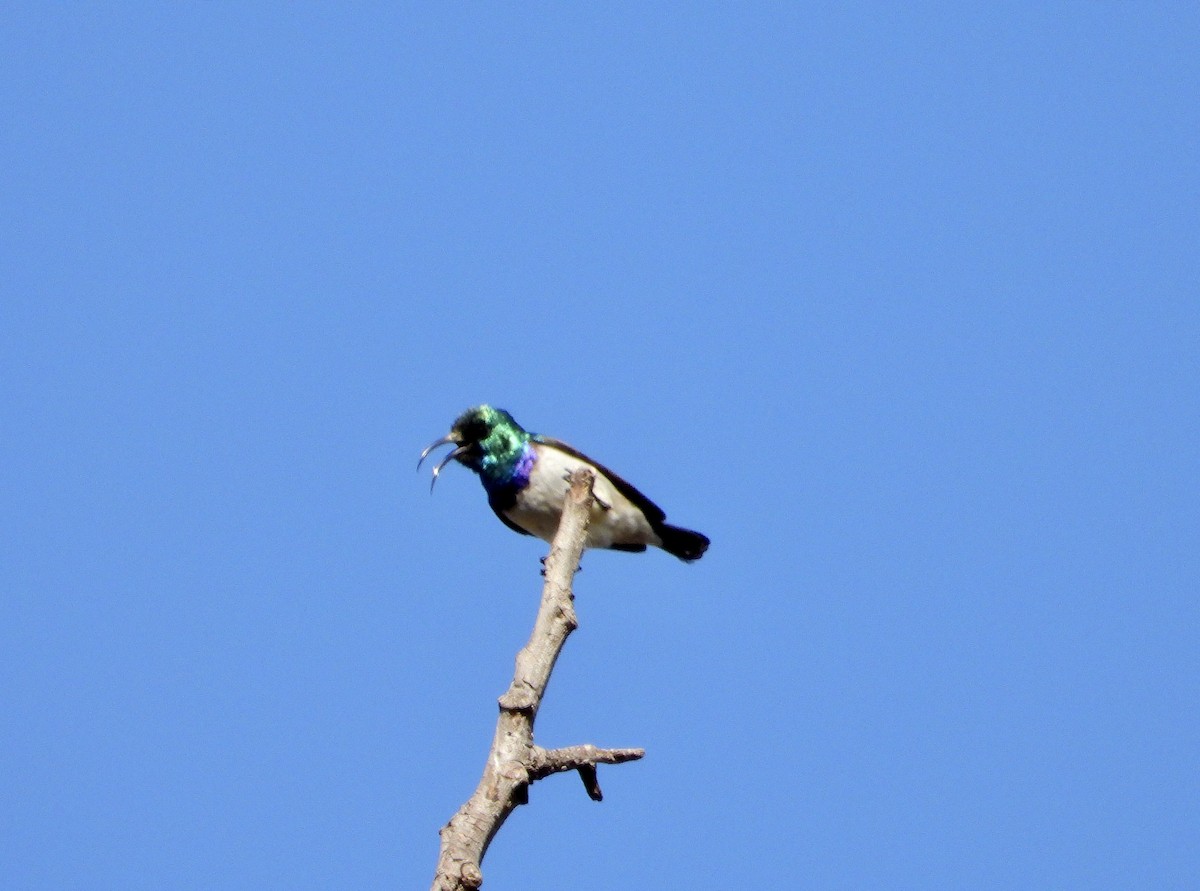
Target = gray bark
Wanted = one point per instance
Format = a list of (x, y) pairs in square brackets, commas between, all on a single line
[(514, 762)]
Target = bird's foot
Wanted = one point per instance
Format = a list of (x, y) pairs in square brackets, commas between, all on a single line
[(542, 571)]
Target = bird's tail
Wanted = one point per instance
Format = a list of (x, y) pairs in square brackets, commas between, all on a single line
[(683, 543)]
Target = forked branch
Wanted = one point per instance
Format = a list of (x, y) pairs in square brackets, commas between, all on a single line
[(514, 762)]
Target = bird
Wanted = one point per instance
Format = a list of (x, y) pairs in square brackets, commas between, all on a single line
[(526, 477)]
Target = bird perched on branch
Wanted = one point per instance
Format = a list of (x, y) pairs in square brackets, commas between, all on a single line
[(526, 479)]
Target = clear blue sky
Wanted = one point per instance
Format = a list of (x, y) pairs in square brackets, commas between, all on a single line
[(901, 306)]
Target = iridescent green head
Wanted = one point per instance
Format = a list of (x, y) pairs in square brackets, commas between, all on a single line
[(493, 439), (484, 423), (487, 440)]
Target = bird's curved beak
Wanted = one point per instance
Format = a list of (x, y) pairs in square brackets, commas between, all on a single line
[(449, 439)]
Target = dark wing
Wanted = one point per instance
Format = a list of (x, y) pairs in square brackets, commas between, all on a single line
[(501, 501), (654, 513)]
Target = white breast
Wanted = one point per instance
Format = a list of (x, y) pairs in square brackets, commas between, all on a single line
[(539, 505)]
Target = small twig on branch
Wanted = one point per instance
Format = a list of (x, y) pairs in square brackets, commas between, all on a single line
[(581, 758), (514, 762)]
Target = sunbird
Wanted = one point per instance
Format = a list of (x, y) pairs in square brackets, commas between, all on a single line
[(526, 477)]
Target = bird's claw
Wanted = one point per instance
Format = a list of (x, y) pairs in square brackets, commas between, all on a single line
[(542, 571)]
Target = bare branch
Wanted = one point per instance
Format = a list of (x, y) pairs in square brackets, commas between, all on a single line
[(514, 761), (583, 759)]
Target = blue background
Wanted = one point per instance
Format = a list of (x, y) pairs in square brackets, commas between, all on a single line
[(898, 304)]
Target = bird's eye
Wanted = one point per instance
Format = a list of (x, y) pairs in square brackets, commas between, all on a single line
[(473, 431)]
